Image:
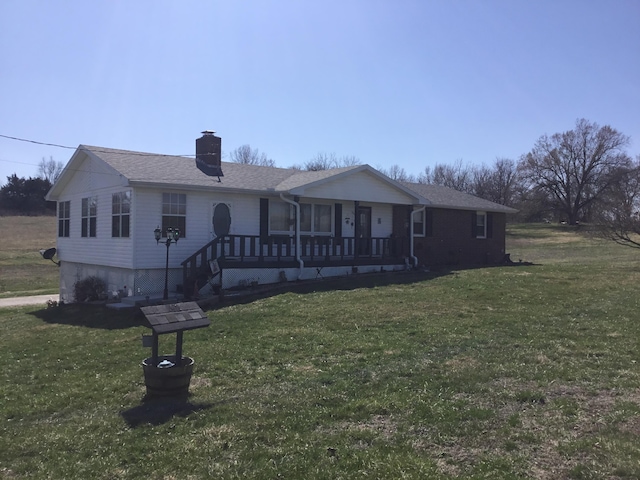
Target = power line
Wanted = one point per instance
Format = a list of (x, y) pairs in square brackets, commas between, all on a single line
[(36, 142), (112, 151)]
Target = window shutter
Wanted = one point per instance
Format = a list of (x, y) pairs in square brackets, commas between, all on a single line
[(264, 220), (489, 225), (428, 220), (474, 221), (337, 209)]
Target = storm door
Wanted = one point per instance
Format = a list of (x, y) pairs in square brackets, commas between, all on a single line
[(363, 217)]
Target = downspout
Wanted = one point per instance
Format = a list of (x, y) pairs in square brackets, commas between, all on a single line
[(413, 257), (298, 246)]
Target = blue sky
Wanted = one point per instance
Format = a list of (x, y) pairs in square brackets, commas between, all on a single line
[(404, 82)]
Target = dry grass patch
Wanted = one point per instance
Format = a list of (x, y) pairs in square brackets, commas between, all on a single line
[(536, 426)]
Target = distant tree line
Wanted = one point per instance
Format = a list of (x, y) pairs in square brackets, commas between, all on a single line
[(25, 196)]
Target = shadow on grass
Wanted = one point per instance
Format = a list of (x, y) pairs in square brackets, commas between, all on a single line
[(91, 316), (159, 411)]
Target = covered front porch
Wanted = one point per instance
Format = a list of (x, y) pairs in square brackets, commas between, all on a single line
[(280, 252)]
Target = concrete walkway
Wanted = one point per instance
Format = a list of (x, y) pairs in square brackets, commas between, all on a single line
[(34, 300)]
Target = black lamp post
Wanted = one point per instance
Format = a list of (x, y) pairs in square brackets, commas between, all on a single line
[(173, 234)]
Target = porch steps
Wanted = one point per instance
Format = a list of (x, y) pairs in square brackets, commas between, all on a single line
[(142, 300)]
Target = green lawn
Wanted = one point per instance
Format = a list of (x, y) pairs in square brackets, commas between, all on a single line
[(526, 371)]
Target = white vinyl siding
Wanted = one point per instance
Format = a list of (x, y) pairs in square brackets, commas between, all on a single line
[(364, 187)]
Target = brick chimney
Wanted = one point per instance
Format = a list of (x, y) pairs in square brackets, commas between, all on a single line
[(209, 154)]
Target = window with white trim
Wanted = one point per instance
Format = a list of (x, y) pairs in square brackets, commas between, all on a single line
[(120, 214), (174, 213), (281, 217), (418, 223), (89, 216), (481, 225), (315, 219), (64, 218)]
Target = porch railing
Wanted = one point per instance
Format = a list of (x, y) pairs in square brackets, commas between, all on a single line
[(254, 251)]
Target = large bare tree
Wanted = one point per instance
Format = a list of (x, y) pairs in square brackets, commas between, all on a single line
[(250, 156), (618, 217), (576, 168), (50, 169)]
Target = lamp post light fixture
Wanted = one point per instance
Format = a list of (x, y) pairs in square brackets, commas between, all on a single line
[(173, 235)]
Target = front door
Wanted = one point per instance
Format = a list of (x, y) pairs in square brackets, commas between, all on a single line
[(363, 217)]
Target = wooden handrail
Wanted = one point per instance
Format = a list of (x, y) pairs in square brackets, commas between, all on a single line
[(278, 248)]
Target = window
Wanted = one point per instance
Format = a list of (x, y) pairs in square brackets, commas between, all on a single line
[(120, 214), (418, 223), (89, 216), (481, 225), (315, 218), (174, 212), (64, 218), (322, 218), (280, 217)]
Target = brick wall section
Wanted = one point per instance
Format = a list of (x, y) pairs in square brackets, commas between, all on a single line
[(452, 242)]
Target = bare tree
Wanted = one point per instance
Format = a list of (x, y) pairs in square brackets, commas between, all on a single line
[(327, 161), (457, 176), (496, 183), (576, 168), (322, 161), (397, 173), (250, 156), (618, 217), (349, 161), (50, 169)]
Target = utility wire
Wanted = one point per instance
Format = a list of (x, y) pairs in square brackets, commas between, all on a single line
[(124, 152)]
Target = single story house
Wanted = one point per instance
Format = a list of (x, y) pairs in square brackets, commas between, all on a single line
[(245, 224)]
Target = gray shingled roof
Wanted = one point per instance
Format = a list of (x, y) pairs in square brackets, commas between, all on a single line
[(445, 197), (157, 169)]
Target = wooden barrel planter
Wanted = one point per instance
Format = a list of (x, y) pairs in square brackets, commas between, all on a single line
[(167, 381)]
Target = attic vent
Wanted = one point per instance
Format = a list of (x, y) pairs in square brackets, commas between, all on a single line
[(209, 154)]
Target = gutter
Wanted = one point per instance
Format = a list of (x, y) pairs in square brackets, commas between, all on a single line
[(298, 245), (413, 257)]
